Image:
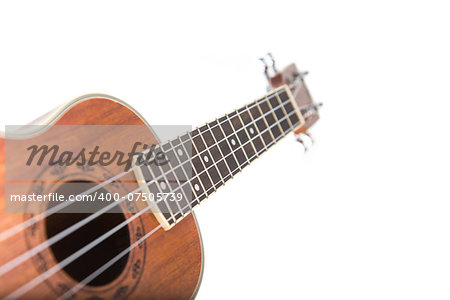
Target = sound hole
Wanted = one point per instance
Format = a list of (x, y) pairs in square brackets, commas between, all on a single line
[(95, 258)]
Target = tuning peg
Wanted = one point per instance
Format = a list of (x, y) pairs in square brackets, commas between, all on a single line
[(269, 65), (304, 139), (299, 75)]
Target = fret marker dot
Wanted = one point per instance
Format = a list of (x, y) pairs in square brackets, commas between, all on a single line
[(252, 131), (206, 158), (196, 187), (233, 142), (180, 152), (163, 185)]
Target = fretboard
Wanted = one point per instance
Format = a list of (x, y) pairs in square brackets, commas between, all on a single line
[(201, 161)]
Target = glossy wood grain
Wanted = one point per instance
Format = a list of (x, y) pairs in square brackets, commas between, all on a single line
[(168, 265)]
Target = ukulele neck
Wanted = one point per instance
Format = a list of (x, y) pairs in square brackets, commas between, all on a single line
[(201, 161)]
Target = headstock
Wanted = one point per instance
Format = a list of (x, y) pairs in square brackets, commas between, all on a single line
[(295, 80)]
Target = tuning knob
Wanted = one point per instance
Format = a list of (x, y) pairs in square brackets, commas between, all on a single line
[(270, 69), (304, 139), (268, 61)]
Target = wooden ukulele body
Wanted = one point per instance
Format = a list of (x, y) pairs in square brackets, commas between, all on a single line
[(167, 265)]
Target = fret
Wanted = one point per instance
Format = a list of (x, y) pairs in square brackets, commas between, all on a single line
[(185, 200), (179, 152), (226, 150), (156, 171), (198, 188), (161, 204), (237, 125), (255, 133), (148, 177), (216, 131), (279, 113), (204, 177), (168, 187), (197, 141), (217, 153), (240, 155), (243, 139), (234, 120), (215, 177), (197, 164), (216, 157), (207, 136), (285, 124), (288, 107), (169, 183), (249, 148), (176, 161), (198, 185), (294, 119), (208, 159), (270, 118), (186, 144), (230, 158), (227, 144), (262, 125), (191, 198), (171, 157), (275, 141), (283, 96), (182, 153), (206, 181), (209, 168), (185, 138), (200, 168), (224, 170), (187, 187)]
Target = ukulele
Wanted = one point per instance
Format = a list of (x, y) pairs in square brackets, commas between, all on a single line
[(94, 206)]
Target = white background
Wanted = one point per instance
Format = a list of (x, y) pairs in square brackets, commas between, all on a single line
[(363, 215)]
